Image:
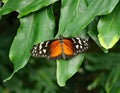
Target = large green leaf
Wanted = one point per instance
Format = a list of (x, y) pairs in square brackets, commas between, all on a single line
[(44, 25), (20, 49), (14, 5), (96, 7), (31, 28), (69, 11), (109, 27), (24, 7), (34, 6), (66, 69)]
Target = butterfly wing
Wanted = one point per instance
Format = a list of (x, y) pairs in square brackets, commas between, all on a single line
[(79, 45), (40, 50), (73, 46), (55, 49), (68, 49), (60, 48), (48, 49)]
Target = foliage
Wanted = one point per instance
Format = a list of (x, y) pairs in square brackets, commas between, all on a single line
[(42, 20)]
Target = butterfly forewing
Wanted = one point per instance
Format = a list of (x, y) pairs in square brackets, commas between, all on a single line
[(48, 49), (54, 49), (79, 45), (67, 47), (40, 50)]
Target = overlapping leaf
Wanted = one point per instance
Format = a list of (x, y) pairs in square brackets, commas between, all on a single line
[(72, 21), (75, 15), (92, 31), (14, 5), (24, 7), (30, 29), (108, 28), (95, 8), (65, 69), (69, 11)]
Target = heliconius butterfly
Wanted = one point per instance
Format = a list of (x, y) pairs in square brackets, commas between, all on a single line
[(62, 47)]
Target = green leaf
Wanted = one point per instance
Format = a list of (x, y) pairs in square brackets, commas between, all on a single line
[(20, 49), (96, 7), (108, 28), (99, 81), (14, 5), (34, 6), (99, 61), (92, 31), (28, 32), (28, 6), (66, 69), (114, 76), (69, 11), (44, 25)]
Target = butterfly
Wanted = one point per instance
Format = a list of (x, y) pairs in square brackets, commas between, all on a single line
[(62, 47)]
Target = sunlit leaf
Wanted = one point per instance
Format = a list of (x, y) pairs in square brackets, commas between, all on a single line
[(92, 31), (108, 28), (96, 7)]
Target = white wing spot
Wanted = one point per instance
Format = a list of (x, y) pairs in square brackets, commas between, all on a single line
[(40, 46), (35, 47), (79, 41), (77, 46), (81, 46), (36, 54), (44, 50), (85, 44), (33, 54), (46, 44), (43, 56), (84, 41), (40, 52), (73, 40), (35, 51)]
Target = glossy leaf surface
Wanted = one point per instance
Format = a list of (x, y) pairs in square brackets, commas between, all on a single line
[(108, 28), (30, 31)]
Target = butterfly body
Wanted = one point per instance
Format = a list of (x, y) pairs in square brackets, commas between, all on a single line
[(62, 47)]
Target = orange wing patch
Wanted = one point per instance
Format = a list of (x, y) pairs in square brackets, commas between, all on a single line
[(67, 47), (55, 49)]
